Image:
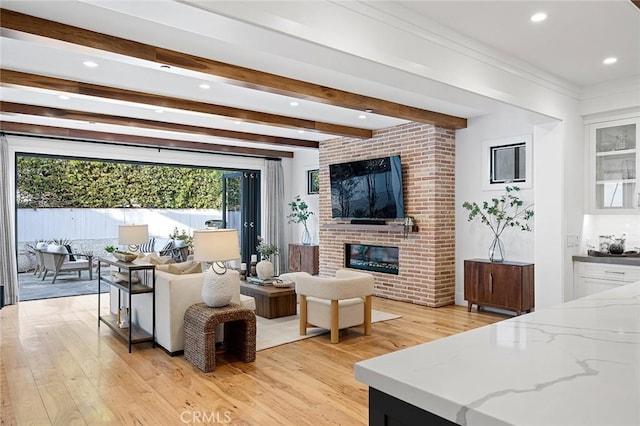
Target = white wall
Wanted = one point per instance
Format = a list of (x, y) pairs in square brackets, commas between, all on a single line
[(296, 184), (473, 238)]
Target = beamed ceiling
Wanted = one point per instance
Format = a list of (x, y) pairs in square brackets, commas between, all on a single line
[(38, 33), (267, 79)]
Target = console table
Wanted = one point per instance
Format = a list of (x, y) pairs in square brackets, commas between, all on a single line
[(503, 285), (131, 334), (304, 258)]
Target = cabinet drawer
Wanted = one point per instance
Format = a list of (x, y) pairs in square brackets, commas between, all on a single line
[(604, 271)]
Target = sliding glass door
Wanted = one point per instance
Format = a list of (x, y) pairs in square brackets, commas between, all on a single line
[(241, 209)]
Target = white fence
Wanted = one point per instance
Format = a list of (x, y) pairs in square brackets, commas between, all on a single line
[(99, 224)]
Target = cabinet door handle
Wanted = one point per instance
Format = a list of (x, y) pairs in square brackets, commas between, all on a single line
[(490, 283), (614, 272)]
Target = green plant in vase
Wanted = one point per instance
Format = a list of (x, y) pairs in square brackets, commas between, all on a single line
[(506, 211), (300, 214), (265, 268)]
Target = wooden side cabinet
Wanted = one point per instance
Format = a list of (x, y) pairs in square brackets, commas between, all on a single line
[(304, 258), (504, 285)]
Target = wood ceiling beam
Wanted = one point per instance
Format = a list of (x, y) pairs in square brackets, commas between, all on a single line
[(231, 74), (9, 77), (17, 108), (89, 136)]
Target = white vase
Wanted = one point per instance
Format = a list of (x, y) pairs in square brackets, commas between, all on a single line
[(217, 290), (264, 269)]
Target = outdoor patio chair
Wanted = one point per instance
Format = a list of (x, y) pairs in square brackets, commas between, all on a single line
[(61, 262)]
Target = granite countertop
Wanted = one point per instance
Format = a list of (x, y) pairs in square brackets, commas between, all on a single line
[(576, 363), (611, 260)]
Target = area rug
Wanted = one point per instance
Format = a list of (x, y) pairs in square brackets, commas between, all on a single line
[(278, 331), (33, 288)]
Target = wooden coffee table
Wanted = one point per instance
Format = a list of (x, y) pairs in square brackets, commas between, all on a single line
[(271, 302)]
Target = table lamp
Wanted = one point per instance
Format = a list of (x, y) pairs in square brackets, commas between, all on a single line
[(216, 246), (133, 235)]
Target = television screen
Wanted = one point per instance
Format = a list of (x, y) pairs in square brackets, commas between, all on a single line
[(368, 189)]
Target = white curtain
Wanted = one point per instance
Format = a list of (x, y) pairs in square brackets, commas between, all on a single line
[(8, 266), (274, 212)]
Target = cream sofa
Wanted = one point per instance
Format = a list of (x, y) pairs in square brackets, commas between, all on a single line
[(174, 294)]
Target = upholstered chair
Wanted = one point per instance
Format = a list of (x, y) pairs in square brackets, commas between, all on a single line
[(335, 303)]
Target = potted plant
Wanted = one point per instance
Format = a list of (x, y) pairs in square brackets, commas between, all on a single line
[(499, 214), (264, 268), (300, 214)]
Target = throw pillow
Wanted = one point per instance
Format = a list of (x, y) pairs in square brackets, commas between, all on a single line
[(71, 257), (182, 268), (153, 259), (148, 247)]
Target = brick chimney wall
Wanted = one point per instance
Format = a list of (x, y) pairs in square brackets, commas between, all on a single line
[(427, 257)]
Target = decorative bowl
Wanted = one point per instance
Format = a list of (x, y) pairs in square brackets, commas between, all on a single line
[(282, 284), (124, 256)]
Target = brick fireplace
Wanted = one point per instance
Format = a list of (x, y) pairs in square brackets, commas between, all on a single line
[(426, 258)]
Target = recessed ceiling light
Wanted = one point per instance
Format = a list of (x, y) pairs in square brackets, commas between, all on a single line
[(238, 122), (63, 97), (610, 60), (538, 17), (301, 131), (294, 103), (89, 64), (362, 116), (368, 110), (205, 86), (159, 110)]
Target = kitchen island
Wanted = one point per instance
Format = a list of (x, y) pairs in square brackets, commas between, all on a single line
[(577, 363)]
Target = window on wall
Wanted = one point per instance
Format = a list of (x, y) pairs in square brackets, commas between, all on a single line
[(507, 162)]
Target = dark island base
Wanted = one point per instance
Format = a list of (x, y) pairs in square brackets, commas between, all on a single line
[(386, 410)]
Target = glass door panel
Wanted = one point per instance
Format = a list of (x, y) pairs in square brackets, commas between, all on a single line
[(241, 209)]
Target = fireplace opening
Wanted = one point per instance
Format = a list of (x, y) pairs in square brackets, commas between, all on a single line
[(371, 258)]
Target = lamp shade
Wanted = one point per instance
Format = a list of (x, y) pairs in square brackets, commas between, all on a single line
[(133, 234), (215, 245)]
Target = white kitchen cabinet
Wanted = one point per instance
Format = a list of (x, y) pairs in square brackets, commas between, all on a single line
[(590, 278), (614, 166)]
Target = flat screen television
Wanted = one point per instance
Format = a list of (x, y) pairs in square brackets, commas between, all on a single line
[(367, 189)]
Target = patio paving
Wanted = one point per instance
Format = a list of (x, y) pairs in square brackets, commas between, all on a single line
[(34, 288)]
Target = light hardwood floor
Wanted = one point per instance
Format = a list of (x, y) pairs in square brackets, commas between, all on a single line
[(57, 367)]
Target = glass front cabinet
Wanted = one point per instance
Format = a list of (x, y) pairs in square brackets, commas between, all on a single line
[(615, 162)]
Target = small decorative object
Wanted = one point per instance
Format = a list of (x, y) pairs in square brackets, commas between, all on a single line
[(499, 214), (243, 271), (252, 265), (124, 256), (282, 284), (617, 246), (109, 249), (265, 268), (123, 318), (604, 241), (408, 225), (217, 246), (300, 214)]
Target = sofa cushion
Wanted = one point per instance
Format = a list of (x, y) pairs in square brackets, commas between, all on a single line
[(153, 259), (181, 268)]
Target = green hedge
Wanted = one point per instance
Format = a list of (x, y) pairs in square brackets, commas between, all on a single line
[(45, 182)]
